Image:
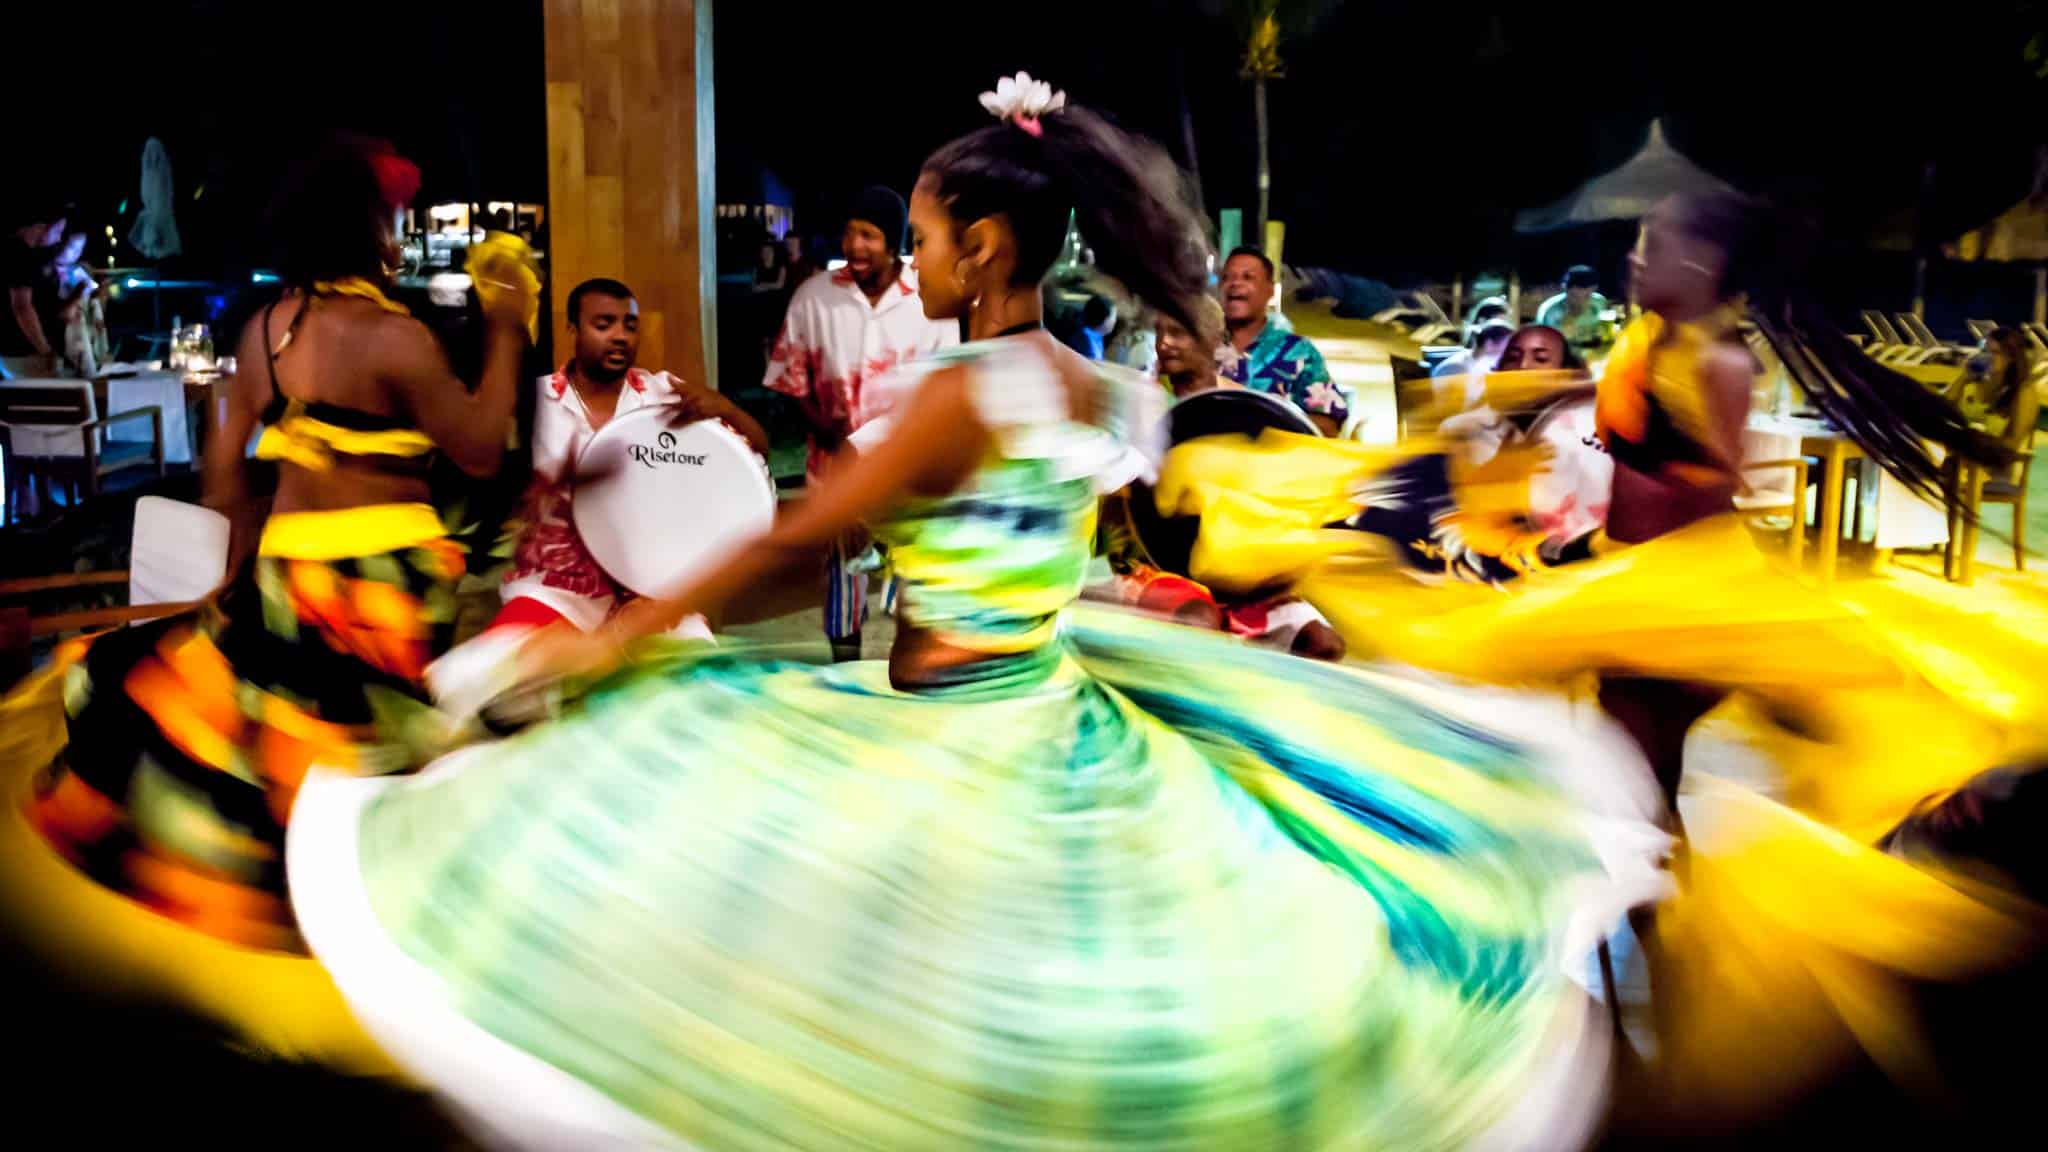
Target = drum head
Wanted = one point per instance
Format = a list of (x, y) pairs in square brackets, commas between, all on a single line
[(1168, 540), (1223, 411), (655, 502)]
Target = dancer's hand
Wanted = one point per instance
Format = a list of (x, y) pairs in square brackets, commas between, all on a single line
[(502, 268), (505, 306), (561, 651)]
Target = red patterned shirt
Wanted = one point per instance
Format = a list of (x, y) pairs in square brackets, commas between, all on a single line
[(834, 342)]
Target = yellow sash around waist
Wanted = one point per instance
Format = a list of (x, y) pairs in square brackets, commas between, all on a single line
[(312, 443), (347, 532)]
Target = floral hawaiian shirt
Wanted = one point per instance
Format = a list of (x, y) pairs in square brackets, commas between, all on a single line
[(1287, 365)]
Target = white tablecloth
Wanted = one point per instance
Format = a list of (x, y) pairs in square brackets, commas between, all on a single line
[(166, 390), (1904, 518), (1900, 518)]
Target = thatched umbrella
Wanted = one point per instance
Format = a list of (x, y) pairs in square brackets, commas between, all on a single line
[(2017, 235), (1626, 192)]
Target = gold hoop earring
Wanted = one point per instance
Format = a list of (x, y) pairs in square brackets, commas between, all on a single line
[(970, 285)]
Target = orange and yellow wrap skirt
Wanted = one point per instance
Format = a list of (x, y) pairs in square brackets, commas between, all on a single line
[(187, 738)]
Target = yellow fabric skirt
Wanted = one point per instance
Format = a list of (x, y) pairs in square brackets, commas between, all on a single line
[(1794, 942), (51, 914)]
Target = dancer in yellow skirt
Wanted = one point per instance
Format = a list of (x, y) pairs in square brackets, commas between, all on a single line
[(150, 775), (1796, 941)]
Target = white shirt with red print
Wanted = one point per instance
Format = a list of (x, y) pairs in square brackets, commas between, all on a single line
[(835, 343), (550, 564)]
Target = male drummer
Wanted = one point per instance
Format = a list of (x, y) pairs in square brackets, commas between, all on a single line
[(553, 576), (1269, 358), (845, 329), (1188, 366)]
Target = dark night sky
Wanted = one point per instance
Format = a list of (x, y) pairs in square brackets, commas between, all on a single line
[(1405, 134)]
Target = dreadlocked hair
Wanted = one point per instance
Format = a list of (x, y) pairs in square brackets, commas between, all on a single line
[(1893, 418), (1123, 192)]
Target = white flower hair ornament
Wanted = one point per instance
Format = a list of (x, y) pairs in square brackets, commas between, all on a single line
[(1022, 101)]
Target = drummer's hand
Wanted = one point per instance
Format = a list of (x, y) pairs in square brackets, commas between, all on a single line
[(695, 402), (561, 651)]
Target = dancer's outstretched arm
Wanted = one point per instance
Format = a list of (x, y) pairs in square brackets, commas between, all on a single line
[(938, 441)]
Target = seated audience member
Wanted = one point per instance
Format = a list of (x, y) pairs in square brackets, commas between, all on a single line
[(1580, 311), (1488, 308), (1995, 388), (1187, 361), (553, 576), (1268, 357), (1488, 312), (1187, 366), (1568, 496), (1134, 345), (1469, 365), (1537, 347), (1530, 348)]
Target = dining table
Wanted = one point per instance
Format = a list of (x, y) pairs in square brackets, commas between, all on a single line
[(1898, 516), (1816, 438)]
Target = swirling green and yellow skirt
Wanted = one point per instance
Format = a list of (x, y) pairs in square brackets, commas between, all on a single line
[(1177, 892)]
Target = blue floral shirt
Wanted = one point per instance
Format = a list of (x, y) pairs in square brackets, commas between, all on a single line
[(1287, 365)]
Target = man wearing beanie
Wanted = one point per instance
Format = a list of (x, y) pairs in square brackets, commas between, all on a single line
[(846, 328)]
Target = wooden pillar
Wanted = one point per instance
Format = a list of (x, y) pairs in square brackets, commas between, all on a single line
[(631, 188)]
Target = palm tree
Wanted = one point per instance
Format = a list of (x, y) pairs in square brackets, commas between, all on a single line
[(1262, 63), (1260, 26)]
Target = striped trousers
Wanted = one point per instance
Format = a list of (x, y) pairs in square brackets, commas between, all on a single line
[(846, 588)]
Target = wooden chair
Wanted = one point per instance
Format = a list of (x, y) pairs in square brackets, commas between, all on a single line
[(1971, 486), (178, 553), (55, 436), (1412, 391)]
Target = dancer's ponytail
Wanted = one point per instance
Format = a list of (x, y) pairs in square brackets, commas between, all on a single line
[(1892, 417), (1125, 194)]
